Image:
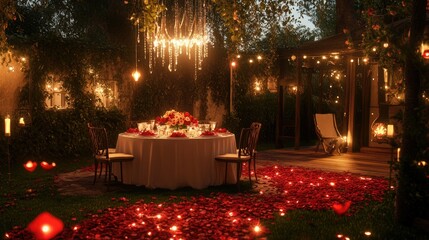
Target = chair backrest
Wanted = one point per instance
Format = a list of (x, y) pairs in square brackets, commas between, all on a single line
[(326, 125), (256, 126), (246, 144), (100, 143)]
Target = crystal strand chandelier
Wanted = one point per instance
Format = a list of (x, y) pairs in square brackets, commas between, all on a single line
[(180, 30)]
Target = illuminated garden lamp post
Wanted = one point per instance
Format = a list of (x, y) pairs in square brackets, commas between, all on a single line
[(231, 79)]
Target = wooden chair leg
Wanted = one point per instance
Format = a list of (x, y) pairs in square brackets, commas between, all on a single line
[(110, 173), (120, 163), (95, 171), (250, 174), (254, 167), (226, 170), (238, 175)]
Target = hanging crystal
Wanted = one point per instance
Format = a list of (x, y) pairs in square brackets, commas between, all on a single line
[(180, 31)]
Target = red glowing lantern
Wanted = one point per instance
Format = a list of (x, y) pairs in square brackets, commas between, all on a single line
[(30, 166), (341, 209), (45, 226), (47, 166), (426, 54)]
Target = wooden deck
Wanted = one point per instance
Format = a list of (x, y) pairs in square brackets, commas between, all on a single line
[(369, 162)]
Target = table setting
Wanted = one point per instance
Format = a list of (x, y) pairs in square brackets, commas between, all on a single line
[(176, 150), (175, 124)]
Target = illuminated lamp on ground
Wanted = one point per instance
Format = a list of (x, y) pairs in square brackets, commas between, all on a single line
[(426, 54)]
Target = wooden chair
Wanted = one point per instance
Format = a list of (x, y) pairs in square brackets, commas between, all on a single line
[(327, 132), (101, 154), (256, 126), (246, 146)]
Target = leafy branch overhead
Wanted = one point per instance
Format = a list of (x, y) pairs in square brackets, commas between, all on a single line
[(7, 14), (244, 21)]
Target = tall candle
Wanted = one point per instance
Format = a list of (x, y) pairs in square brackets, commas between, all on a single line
[(398, 154), (390, 130), (7, 126)]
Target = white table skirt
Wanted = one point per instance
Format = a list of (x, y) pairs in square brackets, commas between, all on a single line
[(172, 163)]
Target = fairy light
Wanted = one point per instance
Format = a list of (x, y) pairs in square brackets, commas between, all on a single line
[(385, 45), (367, 233), (257, 229), (46, 228)]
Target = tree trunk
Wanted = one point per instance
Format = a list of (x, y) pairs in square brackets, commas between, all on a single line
[(346, 18), (408, 204)]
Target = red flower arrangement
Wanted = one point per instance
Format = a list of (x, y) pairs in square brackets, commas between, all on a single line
[(176, 119)]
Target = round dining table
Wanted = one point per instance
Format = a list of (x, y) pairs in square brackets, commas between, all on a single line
[(175, 162)]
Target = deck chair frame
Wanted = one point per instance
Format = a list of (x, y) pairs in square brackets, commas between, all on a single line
[(327, 132)]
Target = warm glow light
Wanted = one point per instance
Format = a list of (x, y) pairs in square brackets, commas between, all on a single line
[(173, 228), (21, 122), (421, 163), (47, 166), (30, 166), (385, 45), (257, 229), (390, 130), (380, 130), (367, 233), (426, 54), (250, 60), (136, 75), (233, 64), (259, 57), (374, 49), (46, 228), (238, 56), (7, 126), (305, 56)]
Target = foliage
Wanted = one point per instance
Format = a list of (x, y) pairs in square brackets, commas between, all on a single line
[(63, 133), (254, 108), (385, 36), (7, 14), (323, 17)]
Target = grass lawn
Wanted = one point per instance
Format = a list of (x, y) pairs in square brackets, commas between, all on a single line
[(29, 194)]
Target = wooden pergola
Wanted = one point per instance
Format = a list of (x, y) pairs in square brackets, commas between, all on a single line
[(302, 62)]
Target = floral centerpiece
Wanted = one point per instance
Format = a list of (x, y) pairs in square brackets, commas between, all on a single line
[(177, 120)]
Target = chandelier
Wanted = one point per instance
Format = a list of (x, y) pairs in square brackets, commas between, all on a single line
[(180, 30)]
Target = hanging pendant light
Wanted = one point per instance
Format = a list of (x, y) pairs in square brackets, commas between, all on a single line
[(136, 74)]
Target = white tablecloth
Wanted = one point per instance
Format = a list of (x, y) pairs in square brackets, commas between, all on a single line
[(172, 163)]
